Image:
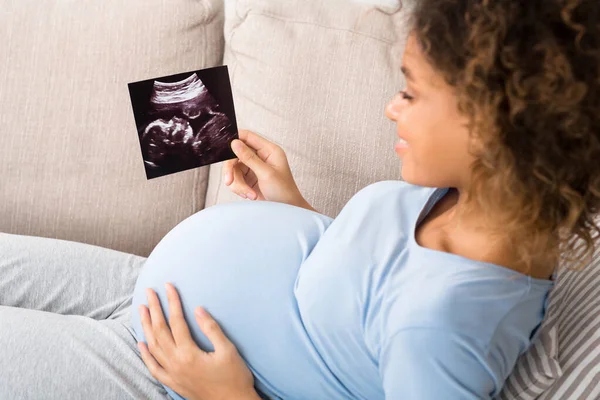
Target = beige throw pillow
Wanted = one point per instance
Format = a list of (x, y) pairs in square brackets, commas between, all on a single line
[(314, 77), (71, 161)]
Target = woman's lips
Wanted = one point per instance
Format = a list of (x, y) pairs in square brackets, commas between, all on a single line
[(401, 145)]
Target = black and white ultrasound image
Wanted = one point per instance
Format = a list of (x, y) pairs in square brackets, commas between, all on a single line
[(185, 120)]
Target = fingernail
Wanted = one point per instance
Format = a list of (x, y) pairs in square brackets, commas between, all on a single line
[(243, 195), (251, 195), (236, 145), (227, 176), (200, 312)]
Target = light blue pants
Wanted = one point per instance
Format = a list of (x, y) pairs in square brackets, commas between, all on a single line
[(64, 322)]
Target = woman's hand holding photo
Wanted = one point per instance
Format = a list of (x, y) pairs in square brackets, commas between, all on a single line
[(261, 171), (175, 359)]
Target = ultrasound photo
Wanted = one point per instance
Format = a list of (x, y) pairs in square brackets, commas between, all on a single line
[(185, 120)]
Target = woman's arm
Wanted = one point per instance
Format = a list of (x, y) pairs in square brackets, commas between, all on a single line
[(252, 396), (304, 204), (431, 364)]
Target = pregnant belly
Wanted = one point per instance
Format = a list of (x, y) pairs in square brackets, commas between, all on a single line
[(240, 261)]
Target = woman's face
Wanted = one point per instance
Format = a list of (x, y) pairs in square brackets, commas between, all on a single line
[(427, 117)]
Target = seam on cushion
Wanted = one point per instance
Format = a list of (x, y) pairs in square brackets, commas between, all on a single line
[(233, 31), (226, 41), (226, 44), (196, 180), (235, 61), (197, 170), (313, 24), (211, 12), (241, 20), (194, 190), (370, 11)]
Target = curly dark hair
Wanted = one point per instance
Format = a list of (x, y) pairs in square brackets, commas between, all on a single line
[(527, 74)]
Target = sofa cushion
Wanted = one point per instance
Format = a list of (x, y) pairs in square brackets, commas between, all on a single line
[(71, 162), (314, 77), (564, 359)]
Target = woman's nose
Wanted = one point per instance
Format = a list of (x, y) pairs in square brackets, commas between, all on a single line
[(392, 109)]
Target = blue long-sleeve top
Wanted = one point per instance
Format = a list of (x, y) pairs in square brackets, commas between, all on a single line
[(351, 307)]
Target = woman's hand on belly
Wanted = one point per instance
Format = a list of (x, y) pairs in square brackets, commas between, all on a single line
[(174, 359)]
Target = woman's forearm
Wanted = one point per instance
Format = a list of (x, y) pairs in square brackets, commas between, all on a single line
[(252, 396), (309, 207), (304, 204)]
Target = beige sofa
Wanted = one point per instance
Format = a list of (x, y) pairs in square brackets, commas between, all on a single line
[(311, 75)]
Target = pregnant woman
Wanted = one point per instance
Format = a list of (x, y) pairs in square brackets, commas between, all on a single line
[(426, 288)]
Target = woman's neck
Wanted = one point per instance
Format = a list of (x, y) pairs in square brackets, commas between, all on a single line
[(465, 234)]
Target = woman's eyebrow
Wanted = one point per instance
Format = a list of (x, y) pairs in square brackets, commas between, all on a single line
[(407, 73)]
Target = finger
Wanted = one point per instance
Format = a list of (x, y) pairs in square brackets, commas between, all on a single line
[(251, 181), (179, 328), (244, 168), (212, 330), (161, 330), (257, 142), (249, 157), (153, 366), (227, 171), (153, 344), (241, 187)]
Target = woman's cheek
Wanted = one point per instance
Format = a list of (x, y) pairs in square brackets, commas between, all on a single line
[(411, 119)]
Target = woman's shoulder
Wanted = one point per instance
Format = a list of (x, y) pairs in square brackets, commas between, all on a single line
[(470, 302), (392, 189), (384, 207), (392, 184)]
